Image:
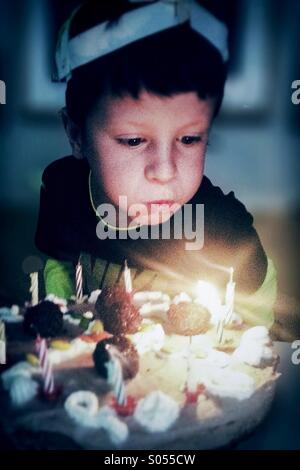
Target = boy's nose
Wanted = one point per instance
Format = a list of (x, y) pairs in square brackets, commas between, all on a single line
[(161, 169)]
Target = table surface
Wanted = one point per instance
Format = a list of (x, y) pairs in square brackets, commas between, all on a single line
[(281, 428)]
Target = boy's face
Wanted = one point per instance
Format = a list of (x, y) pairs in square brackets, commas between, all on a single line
[(150, 150)]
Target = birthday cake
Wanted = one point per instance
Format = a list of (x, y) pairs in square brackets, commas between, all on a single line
[(133, 371)]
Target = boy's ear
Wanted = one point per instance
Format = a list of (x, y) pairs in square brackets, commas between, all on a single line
[(73, 132)]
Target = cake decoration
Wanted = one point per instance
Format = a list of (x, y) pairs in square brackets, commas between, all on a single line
[(82, 406), (11, 314), (150, 337), (189, 318), (22, 389), (222, 382), (117, 312), (156, 412), (77, 347), (92, 299), (21, 369), (255, 347), (127, 355), (62, 303), (44, 319)]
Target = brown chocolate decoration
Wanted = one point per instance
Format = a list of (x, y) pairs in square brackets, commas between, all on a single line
[(126, 352), (115, 309), (188, 318)]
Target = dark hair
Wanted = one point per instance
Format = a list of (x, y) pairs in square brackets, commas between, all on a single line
[(173, 61)]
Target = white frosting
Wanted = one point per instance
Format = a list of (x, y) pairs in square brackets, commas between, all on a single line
[(150, 339), (226, 383), (10, 314), (219, 379), (254, 347), (94, 296), (15, 310), (21, 369), (77, 347), (158, 310), (82, 406), (256, 333), (61, 303), (156, 412), (152, 303), (70, 319), (84, 298), (140, 298), (218, 358), (182, 297), (22, 390), (201, 343), (117, 429), (88, 315)]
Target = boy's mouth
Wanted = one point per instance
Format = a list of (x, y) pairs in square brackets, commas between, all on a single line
[(160, 202), (161, 206)]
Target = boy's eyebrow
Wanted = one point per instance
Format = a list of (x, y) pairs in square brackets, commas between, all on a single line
[(191, 124), (196, 123)]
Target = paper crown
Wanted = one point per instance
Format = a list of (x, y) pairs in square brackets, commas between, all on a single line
[(133, 25)]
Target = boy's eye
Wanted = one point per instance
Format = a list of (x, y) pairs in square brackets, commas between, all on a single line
[(190, 139), (131, 142)]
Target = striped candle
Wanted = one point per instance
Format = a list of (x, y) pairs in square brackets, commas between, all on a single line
[(115, 375), (127, 278), (34, 288), (79, 282), (45, 364)]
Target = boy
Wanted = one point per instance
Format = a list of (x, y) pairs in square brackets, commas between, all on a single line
[(145, 82)]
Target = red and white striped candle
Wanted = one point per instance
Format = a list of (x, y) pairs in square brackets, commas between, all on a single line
[(78, 275), (45, 364), (34, 288)]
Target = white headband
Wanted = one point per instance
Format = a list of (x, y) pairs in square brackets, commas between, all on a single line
[(132, 26)]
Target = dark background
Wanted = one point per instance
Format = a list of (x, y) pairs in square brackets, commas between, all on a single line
[(254, 145)]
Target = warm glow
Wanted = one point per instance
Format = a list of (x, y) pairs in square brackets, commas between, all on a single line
[(208, 296)]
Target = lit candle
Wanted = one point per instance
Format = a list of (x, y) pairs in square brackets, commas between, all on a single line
[(34, 288), (45, 364), (78, 275), (127, 278), (115, 375), (229, 297)]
